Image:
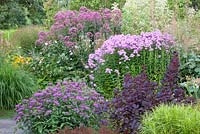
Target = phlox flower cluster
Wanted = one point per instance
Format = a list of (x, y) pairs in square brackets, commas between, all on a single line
[(129, 46)]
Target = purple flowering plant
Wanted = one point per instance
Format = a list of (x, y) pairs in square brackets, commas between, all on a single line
[(72, 27), (76, 34), (127, 53), (140, 95), (67, 104)]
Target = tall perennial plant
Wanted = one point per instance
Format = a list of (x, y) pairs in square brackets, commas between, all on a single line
[(71, 27), (127, 53)]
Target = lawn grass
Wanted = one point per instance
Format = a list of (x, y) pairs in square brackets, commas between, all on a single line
[(6, 114)]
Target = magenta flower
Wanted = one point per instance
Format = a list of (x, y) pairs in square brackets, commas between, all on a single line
[(81, 24)]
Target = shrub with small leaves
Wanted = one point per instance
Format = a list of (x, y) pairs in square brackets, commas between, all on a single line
[(191, 65), (140, 95), (70, 104), (55, 62)]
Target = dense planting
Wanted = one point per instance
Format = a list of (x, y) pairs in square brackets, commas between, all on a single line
[(72, 27), (69, 104), (83, 47), (57, 62), (139, 95), (125, 53)]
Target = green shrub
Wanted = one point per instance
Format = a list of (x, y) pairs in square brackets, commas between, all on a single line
[(51, 7), (145, 15), (190, 65), (15, 85), (94, 4), (25, 37), (16, 13), (174, 119), (12, 15), (56, 61), (179, 7), (192, 88)]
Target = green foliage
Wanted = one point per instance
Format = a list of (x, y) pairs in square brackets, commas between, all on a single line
[(195, 4), (12, 15), (51, 7), (15, 85), (145, 15), (7, 34), (94, 4), (174, 119), (35, 10), (5, 46), (56, 61), (190, 65), (179, 7), (192, 88), (156, 62), (25, 37), (16, 13)]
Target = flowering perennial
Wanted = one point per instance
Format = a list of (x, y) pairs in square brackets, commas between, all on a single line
[(74, 26), (133, 43), (71, 104), (127, 53), (140, 95)]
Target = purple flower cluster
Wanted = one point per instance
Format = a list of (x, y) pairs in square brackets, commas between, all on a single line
[(133, 43), (71, 98), (71, 26)]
